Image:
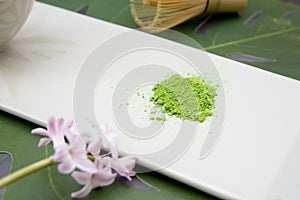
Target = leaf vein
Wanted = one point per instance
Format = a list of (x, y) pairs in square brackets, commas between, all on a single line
[(258, 37), (51, 179), (119, 14)]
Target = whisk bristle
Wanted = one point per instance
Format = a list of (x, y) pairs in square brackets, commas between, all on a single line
[(156, 15), (150, 2)]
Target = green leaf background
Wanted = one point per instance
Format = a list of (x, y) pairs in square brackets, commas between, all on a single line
[(273, 36), (49, 184)]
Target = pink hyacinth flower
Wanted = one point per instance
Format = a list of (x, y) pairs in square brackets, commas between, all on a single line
[(104, 138), (73, 155), (56, 131), (102, 177), (93, 141), (123, 166)]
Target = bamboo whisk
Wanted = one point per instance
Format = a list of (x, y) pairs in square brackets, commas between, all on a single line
[(155, 15)]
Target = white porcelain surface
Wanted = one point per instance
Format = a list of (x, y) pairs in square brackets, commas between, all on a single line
[(258, 154), (13, 14)]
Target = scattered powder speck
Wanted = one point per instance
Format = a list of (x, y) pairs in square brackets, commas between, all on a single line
[(188, 98)]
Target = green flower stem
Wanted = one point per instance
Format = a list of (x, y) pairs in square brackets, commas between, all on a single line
[(25, 171)]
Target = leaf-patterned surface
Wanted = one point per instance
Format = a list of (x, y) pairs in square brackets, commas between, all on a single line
[(274, 35), (49, 184), (264, 30)]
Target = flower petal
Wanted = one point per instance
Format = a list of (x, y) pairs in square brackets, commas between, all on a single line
[(69, 124), (78, 147), (66, 167), (114, 151), (40, 131), (109, 136), (60, 122), (52, 126), (86, 165), (128, 161), (103, 178), (123, 166), (44, 141), (95, 147), (60, 154), (83, 192), (81, 177)]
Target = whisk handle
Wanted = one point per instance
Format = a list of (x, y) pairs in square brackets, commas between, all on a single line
[(222, 6)]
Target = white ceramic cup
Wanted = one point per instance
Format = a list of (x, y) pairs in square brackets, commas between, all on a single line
[(13, 14)]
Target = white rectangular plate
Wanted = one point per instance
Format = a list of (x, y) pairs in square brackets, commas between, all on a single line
[(255, 154)]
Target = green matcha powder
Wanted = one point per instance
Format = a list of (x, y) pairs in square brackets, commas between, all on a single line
[(188, 98)]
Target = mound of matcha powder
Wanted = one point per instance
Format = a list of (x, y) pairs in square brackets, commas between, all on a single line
[(188, 98)]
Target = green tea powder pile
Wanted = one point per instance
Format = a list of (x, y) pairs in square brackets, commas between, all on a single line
[(188, 98)]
